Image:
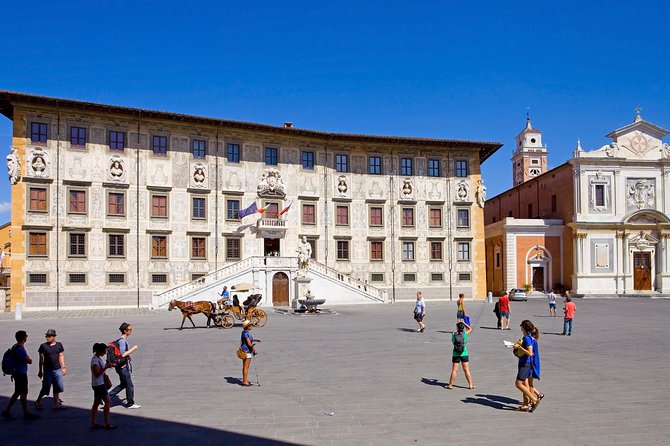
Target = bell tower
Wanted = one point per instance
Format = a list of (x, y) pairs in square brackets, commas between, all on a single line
[(530, 156)]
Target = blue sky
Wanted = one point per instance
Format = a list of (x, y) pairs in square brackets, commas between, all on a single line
[(462, 70)]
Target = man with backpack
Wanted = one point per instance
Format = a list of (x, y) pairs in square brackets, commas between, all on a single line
[(119, 353), (15, 363)]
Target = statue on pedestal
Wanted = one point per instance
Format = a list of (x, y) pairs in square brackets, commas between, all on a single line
[(304, 251)]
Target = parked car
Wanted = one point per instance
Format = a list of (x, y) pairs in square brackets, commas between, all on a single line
[(518, 294)]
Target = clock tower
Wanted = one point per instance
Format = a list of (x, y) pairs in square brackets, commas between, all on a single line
[(530, 156)]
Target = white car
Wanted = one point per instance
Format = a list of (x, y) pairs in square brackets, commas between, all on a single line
[(518, 294)]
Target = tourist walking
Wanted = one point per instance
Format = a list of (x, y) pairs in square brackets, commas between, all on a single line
[(552, 303), (124, 368), (247, 350), (19, 364), (420, 311), (99, 383), (460, 355), (568, 314), (496, 311), (51, 369), (523, 349), (504, 307), (460, 308)]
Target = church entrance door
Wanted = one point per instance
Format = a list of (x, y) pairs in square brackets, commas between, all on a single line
[(538, 278), (642, 270), (280, 290)]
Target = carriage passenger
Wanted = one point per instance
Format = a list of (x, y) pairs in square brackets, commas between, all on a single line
[(236, 303)]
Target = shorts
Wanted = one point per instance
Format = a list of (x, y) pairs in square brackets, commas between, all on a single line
[(250, 355), (504, 314), (100, 391), (524, 371), (457, 359), (552, 306), (418, 317), (52, 378), (20, 383), (460, 315)]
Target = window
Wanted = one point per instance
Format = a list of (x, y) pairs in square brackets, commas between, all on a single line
[(37, 278), (199, 148), (117, 140), (272, 211), (159, 206), (436, 251), (463, 218), (198, 248), (530, 210), (535, 161), (158, 247), (38, 132), (376, 250), (376, 216), (233, 248), (406, 166), (342, 163), (38, 199), (461, 168), (600, 195), (464, 251), (159, 145), (116, 203), (116, 278), (377, 277), (199, 212), (117, 245), (308, 214), (436, 277), (233, 153), (76, 278), (38, 244), (553, 203), (271, 156), (375, 165), (408, 250), (433, 168), (343, 250), (77, 204), (232, 209), (435, 217), (342, 215), (77, 245), (77, 136), (464, 277), (159, 278), (409, 277), (196, 276), (308, 160), (407, 217)]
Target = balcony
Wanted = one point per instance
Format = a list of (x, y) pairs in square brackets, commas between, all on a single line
[(271, 227)]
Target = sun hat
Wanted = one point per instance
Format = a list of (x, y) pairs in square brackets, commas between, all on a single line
[(50, 332), (246, 323)]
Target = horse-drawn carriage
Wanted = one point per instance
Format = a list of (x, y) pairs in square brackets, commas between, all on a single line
[(222, 313)]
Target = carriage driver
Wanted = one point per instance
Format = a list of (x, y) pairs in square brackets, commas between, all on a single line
[(226, 295)]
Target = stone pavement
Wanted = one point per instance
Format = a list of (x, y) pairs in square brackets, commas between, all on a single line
[(607, 384)]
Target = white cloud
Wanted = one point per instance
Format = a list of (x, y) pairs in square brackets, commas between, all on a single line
[(5, 207)]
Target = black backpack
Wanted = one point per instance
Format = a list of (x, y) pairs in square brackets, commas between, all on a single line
[(9, 362), (459, 344)]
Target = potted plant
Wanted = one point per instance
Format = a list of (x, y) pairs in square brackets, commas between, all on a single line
[(527, 287)]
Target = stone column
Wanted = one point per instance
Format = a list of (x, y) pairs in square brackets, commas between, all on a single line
[(620, 259)]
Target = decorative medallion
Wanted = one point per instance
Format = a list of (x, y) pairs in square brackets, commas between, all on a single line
[(271, 184), (640, 193), (407, 187), (199, 175), (462, 191), (117, 169), (342, 187)]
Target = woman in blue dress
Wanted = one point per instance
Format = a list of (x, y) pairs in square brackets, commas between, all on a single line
[(523, 349)]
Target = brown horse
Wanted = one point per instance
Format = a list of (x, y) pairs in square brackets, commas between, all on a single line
[(189, 308)]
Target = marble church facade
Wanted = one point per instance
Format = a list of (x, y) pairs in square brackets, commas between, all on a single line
[(113, 204)]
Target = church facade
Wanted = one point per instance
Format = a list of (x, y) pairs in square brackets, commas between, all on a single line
[(111, 205), (596, 225)]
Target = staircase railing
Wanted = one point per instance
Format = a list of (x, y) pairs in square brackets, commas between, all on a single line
[(371, 291)]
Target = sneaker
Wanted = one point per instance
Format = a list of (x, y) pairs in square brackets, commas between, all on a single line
[(30, 416), (6, 415), (134, 406)]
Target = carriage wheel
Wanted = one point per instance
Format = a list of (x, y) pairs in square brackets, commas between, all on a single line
[(259, 318), (227, 321), (217, 320)]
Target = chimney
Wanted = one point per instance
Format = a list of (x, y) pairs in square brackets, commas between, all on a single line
[(288, 125)]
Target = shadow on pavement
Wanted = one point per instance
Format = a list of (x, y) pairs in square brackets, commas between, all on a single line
[(551, 333), (433, 382), (407, 330), (233, 380), (445, 331), (71, 427), (490, 328), (494, 401)]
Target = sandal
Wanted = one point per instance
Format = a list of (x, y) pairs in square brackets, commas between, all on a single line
[(523, 409), (449, 387), (534, 405), (540, 396), (247, 384)]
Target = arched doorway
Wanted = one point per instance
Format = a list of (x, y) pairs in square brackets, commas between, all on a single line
[(280, 290)]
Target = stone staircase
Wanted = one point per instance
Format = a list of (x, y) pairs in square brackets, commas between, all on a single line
[(328, 283)]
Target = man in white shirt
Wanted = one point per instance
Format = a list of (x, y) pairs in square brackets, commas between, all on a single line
[(552, 303)]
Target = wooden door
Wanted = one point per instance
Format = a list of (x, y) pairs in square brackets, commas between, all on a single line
[(538, 278), (642, 270), (280, 290)]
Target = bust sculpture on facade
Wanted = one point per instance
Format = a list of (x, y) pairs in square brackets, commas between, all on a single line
[(14, 166), (271, 184), (481, 193), (304, 251)]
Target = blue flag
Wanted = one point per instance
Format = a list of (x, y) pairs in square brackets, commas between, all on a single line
[(247, 211)]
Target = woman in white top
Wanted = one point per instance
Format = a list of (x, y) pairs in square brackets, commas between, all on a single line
[(98, 367)]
